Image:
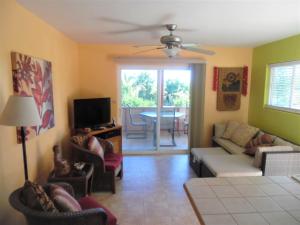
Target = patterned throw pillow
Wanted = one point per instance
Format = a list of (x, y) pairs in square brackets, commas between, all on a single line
[(95, 147), (230, 128), (34, 196), (243, 134), (63, 200), (80, 140), (260, 141)]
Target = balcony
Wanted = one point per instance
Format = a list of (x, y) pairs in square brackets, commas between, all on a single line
[(144, 138)]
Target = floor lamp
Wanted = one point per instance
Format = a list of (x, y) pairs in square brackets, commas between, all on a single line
[(21, 112)]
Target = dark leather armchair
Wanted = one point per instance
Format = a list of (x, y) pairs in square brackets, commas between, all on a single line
[(94, 216), (105, 170)]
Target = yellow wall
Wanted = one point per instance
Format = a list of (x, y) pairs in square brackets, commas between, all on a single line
[(283, 124), (98, 77), (23, 32)]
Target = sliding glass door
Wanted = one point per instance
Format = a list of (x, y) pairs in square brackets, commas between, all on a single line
[(155, 108)]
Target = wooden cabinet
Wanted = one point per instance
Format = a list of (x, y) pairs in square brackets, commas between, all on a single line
[(113, 134)]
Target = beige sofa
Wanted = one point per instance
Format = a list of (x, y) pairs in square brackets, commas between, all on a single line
[(281, 159)]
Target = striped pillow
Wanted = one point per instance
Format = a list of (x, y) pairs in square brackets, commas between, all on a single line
[(63, 200)]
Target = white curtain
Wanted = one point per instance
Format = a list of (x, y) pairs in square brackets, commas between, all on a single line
[(196, 117)]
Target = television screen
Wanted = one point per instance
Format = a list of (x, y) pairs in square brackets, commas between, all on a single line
[(93, 112)]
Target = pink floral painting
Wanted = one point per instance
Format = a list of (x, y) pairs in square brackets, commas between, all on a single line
[(33, 77)]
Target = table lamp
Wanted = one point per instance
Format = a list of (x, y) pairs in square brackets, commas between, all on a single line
[(21, 111)]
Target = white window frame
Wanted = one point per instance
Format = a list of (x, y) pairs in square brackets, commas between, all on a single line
[(268, 105)]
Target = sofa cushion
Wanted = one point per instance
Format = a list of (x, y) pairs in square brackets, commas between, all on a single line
[(63, 200), (243, 134), (95, 147), (112, 161), (231, 165), (198, 153), (91, 203), (259, 153), (229, 146), (231, 126), (34, 196), (219, 129)]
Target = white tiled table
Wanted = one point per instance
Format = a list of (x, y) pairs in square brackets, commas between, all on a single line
[(245, 200)]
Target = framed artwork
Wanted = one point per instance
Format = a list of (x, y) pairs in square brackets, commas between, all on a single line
[(33, 77), (230, 82)]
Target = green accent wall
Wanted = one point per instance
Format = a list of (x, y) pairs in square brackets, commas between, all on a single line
[(283, 124)]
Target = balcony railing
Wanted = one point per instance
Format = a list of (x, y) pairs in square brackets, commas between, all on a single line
[(147, 142)]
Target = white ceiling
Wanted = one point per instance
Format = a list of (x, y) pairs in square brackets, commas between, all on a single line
[(216, 22)]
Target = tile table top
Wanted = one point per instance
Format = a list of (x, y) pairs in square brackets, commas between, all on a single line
[(245, 200)]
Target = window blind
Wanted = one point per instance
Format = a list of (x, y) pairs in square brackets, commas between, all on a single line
[(284, 89)]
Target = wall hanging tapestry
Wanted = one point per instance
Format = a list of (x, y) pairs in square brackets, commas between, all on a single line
[(33, 77), (229, 82)]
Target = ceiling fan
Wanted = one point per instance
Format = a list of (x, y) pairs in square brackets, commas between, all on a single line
[(172, 44)]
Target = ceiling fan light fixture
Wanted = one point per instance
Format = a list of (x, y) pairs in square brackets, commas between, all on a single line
[(171, 52)]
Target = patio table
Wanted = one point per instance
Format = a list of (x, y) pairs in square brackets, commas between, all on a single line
[(153, 116)]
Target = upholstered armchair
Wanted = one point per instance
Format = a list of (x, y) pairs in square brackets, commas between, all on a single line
[(92, 212), (105, 169)]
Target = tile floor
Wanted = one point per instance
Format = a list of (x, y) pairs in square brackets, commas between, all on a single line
[(151, 192)]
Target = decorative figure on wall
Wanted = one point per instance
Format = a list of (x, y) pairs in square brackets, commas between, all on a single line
[(229, 88), (33, 77)]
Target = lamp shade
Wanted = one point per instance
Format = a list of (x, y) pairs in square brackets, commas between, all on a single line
[(20, 111)]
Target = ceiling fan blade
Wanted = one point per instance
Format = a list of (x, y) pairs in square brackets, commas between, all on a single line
[(137, 29), (198, 50), (142, 46), (112, 20), (148, 50), (190, 45)]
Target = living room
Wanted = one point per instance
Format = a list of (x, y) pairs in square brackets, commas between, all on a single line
[(89, 69)]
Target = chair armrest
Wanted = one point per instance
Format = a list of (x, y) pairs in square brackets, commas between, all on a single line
[(82, 154), (281, 163)]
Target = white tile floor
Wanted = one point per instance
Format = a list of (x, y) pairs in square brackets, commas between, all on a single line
[(151, 192)]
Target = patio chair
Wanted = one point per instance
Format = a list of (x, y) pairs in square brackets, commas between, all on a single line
[(92, 213), (138, 122), (167, 122)]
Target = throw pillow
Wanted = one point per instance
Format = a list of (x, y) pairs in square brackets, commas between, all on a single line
[(63, 200), (95, 147), (34, 196), (230, 128), (243, 134), (263, 140), (80, 140), (219, 129), (259, 153)]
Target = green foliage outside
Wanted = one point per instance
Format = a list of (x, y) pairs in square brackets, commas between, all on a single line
[(141, 91), (176, 93)]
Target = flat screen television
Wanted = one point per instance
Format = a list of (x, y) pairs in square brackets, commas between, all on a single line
[(92, 112)]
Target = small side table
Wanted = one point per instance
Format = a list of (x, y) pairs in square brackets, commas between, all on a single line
[(82, 185)]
